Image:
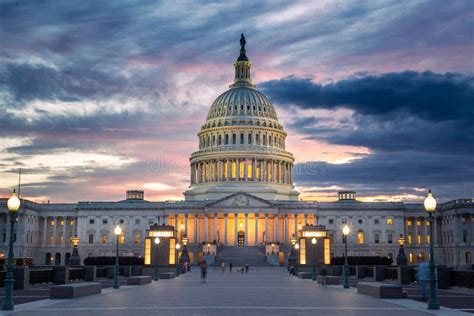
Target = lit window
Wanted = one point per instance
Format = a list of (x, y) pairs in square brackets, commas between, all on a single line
[(418, 223), (62, 223), (138, 238), (409, 223), (71, 222), (234, 170), (103, 239), (241, 169), (249, 171), (421, 257), (411, 257), (360, 237), (389, 221), (410, 239), (122, 238), (418, 239), (428, 239), (52, 223)]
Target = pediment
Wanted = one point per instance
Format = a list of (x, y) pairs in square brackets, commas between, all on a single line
[(242, 200)]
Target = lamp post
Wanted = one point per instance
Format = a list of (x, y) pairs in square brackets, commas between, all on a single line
[(273, 248), (117, 232), (314, 241), (430, 207), (184, 254), (157, 275), (176, 261), (292, 256), (75, 259), (208, 248), (345, 233), (401, 257), (13, 205)]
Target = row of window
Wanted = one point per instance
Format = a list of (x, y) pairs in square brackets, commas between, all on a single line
[(242, 139), (104, 238), (389, 221), (121, 221)]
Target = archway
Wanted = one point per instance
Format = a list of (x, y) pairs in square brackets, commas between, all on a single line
[(241, 238), (48, 259), (66, 258), (57, 259)]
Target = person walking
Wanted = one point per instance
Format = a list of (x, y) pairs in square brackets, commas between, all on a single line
[(246, 268), (323, 275), (223, 266), (230, 267), (422, 276), (203, 271)]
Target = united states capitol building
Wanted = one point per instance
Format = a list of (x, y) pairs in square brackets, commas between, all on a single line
[(241, 194)]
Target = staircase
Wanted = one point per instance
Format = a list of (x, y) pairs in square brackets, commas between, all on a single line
[(239, 256)]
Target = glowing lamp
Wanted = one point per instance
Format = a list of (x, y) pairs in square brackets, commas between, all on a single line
[(75, 241), (117, 230), (401, 240), (157, 240), (346, 230), (430, 203), (297, 246), (314, 241), (13, 202), (178, 246)]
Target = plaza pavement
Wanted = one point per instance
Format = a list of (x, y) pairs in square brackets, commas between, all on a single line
[(268, 291)]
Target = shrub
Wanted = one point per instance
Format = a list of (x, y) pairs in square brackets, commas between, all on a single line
[(363, 260), (110, 261), (18, 261)]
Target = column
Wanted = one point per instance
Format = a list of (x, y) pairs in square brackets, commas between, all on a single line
[(256, 229), (275, 228), (196, 229), (176, 222), (219, 171), (416, 232), (206, 229), (45, 230), (254, 169), (246, 229), (272, 172), (305, 219), (285, 232), (235, 229), (266, 228), (186, 216), (237, 166), (55, 230), (74, 226), (229, 170), (225, 229), (245, 172), (64, 232), (215, 228), (405, 233), (263, 170)]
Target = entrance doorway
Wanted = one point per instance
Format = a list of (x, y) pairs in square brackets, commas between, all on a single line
[(240, 238)]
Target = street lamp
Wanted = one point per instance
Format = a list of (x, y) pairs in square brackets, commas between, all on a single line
[(273, 248), (13, 205), (314, 241), (176, 261), (184, 254), (157, 275), (208, 248), (401, 258), (345, 233), (292, 256), (430, 207), (75, 259), (297, 247), (117, 232)]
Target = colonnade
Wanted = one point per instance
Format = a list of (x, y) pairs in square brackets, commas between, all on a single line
[(241, 169), (226, 228)]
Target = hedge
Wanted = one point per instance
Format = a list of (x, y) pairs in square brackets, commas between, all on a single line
[(363, 260), (110, 261), (18, 261)]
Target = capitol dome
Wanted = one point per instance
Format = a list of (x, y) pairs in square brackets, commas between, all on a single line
[(242, 145)]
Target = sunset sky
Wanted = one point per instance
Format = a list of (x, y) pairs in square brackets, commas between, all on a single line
[(97, 97)]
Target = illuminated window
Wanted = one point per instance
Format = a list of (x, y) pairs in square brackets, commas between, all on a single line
[(147, 250), (302, 251), (410, 239), (409, 222), (269, 171), (52, 223), (241, 169), (138, 238), (418, 223), (234, 170), (428, 239), (61, 238), (427, 223), (225, 170), (421, 257), (360, 237), (71, 222), (418, 239), (411, 257), (122, 238), (104, 238), (389, 221), (172, 251), (259, 176), (327, 251), (249, 171), (62, 223)]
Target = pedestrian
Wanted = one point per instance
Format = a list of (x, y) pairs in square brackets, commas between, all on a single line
[(246, 268), (290, 270), (223, 266), (203, 271), (323, 275), (422, 277), (230, 267)]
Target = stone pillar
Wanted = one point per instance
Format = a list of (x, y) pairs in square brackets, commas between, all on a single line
[(229, 170), (206, 229), (254, 169), (45, 231), (196, 229), (296, 225), (305, 219), (246, 171), (285, 230), (55, 230), (235, 229), (272, 172), (225, 229), (64, 231), (266, 228), (275, 228), (215, 228), (246, 229), (176, 222), (237, 167), (256, 229), (416, 232)]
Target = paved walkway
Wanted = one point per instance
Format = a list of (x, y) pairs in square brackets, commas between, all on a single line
[(265, 292)]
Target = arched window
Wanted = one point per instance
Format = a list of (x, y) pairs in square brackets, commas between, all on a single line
[(389, 221), (234, 139), (219, 140), (249, 139), (269, 140), (213, 140), (264, 138), (241, 138), (257, 139), (360, 237), (122, 238), (226, 139)]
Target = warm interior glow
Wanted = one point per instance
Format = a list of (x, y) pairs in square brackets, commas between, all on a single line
[(172, 259), (314, 241), (147, 250), (327, 251), (346, 230), (302, 251), (157, 241)]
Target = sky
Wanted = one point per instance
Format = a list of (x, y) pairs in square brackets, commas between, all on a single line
[(98, 97)]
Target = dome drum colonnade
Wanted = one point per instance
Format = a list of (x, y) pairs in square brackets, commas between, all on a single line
[(242, 142)]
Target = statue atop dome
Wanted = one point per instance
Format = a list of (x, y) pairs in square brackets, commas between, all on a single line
[(242, 56)]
